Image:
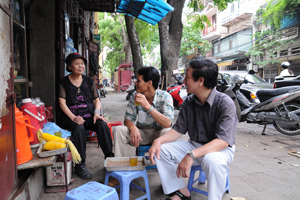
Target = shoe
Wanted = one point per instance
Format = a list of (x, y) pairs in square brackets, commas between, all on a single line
[(109, 155), (113, 182), (182, 196), (82, 172)]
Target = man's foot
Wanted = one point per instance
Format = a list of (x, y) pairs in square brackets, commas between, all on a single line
[(113, 182), (109, 155), (182, 194), (82, 172)]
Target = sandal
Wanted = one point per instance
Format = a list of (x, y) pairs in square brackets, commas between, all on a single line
[(182, 196)]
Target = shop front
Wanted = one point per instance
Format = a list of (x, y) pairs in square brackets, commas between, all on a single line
[(36, 36)]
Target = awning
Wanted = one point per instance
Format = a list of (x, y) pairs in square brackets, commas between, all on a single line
[(150, 11)]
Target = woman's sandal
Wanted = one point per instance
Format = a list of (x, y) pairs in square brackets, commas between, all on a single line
[(182, 196)]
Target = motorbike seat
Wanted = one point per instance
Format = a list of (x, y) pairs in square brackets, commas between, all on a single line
[(269, 93)]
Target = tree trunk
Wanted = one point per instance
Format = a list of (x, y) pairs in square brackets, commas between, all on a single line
[(134, 43), (170, 33), (126, 48)]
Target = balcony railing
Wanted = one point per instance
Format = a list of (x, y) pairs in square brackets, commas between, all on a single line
[(230, 16)]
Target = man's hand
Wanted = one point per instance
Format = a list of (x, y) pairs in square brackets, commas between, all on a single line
[(155, 149), (184, 167), (142, 100), (78, 120), (97, 116), (135, 136)]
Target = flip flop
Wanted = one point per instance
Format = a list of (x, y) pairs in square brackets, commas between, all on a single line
[(182, 196)]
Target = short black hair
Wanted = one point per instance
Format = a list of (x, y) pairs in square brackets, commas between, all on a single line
[(150, 73), (207, 69)]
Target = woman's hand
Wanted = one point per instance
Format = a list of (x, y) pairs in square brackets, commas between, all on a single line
[(78, 120), (97, 116)]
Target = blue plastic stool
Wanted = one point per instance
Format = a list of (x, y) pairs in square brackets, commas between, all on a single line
[(125, 178), (201, 179), (92, 191), (141, 150)]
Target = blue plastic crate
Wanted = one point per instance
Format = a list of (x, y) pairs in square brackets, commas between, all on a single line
[(92, 191)]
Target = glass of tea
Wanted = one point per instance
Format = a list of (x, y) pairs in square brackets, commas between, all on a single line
[(133, 160)]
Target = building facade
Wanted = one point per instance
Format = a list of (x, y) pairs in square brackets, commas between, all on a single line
[(36, 36)]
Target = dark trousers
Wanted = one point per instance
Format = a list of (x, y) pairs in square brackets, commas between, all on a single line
[(79, 135)]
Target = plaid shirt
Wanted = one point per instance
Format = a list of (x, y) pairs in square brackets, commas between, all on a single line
[(162, 102)]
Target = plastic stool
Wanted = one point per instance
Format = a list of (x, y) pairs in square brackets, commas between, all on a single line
[(141, 151), (111, 124), (92, 136), (93, 191), (125, 179), (201, 179)]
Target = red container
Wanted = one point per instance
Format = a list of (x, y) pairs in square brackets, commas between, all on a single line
[(41, 109), (29, 109)]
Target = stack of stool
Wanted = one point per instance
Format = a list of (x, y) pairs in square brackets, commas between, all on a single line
[(201, 179), (125, 179), (93, 191)]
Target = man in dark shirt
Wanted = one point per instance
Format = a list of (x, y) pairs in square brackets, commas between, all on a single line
[(210, 119)]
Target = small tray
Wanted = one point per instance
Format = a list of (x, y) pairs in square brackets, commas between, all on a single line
[(44, 153), (123, 164)]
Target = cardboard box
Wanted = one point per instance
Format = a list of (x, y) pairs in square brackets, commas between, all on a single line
[(56, 173)]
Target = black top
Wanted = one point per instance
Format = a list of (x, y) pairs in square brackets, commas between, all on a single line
[(216, 118), (79, 99)]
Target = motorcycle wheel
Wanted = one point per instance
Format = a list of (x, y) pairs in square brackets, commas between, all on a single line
[(128, 96), (289, 130)]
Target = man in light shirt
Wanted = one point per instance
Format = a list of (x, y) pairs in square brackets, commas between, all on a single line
[(149, 114)]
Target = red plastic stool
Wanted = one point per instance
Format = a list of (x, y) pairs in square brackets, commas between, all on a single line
[(111, 124)]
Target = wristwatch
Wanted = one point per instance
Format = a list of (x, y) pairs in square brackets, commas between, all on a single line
[(150, 110), (190, 153)]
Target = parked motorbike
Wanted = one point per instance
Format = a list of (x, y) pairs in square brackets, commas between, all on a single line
[(174, 90), (130, 90), (277, 107), (103, 92)]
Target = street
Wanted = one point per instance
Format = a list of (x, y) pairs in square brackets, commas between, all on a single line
[(262, 168)]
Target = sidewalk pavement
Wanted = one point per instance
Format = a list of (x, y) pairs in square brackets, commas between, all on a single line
[(261, 170)]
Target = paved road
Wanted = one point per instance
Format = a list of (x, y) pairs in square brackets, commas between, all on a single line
[(262, 168)]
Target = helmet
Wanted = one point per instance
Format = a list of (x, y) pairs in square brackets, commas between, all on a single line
[(285, 65)]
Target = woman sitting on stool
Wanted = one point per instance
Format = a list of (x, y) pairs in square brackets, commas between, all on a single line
[(80, 105)]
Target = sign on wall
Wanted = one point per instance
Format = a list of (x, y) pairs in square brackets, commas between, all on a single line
[(97, 39)]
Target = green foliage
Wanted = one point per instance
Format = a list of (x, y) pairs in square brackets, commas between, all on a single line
[(192, 39), (268, 42), (276, 10), (110, 29), (111, 38), (148, 36), (201, 20), (220, 4)]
